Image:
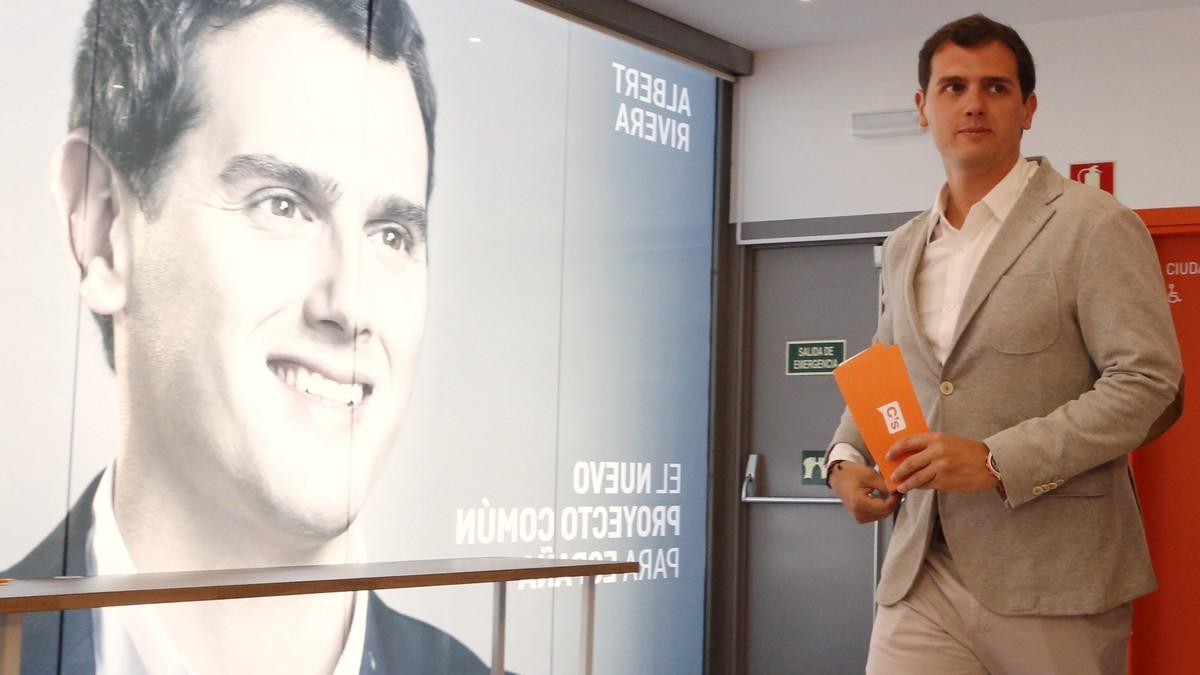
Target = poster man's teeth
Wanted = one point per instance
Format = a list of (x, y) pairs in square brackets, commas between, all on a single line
[(315, 384)]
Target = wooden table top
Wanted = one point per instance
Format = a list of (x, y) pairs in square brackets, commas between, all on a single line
[(60, 593)]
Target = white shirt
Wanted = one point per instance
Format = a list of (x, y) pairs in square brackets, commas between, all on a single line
[(949, 263), (132, 640)]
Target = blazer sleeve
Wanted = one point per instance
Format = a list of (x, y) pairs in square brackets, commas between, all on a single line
[(847, 431), (1126, 325)]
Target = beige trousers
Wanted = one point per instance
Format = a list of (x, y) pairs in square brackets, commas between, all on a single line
[(940, 629)]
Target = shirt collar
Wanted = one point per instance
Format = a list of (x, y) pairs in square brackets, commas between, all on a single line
[(133, 639), (1000, 200)]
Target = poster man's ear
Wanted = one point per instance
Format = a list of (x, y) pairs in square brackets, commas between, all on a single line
[(88, 193)]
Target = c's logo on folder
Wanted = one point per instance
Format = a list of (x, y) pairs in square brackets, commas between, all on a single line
[(893, 417)]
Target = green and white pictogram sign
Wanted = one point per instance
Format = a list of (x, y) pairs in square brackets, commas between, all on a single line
[(815, 470)]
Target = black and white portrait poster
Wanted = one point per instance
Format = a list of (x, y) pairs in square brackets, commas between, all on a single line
[(316, 281)]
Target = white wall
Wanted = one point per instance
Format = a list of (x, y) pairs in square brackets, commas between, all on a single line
[(1118, 87)]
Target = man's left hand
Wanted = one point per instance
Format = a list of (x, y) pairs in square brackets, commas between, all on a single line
[(938, 461)]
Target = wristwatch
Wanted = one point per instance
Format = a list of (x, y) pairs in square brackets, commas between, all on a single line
[(995, 471)]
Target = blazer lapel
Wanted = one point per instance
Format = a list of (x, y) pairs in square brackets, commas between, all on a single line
[(1029, 215), (911, 265)]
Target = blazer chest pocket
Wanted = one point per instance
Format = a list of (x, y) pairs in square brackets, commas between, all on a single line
[(1023, 313)]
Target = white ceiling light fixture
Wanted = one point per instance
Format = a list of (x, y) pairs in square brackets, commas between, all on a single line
[(885, 123), (475, 40)]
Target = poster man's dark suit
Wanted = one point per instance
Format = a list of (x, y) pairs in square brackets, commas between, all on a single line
[(1064, 360), (394, 643)]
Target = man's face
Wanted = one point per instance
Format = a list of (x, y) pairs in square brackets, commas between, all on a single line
[(974, 107), (277, 302)]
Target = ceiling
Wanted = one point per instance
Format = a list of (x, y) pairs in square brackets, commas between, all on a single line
[(770, 24)]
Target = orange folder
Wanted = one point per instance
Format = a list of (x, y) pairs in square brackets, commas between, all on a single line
[(881, 398)]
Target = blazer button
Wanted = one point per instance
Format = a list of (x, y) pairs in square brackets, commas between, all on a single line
[(946, 388), (1038, 490)]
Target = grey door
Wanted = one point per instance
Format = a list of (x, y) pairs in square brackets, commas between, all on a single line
[(809, 568)]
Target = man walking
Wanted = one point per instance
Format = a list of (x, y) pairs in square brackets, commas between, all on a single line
[(1031, 314)]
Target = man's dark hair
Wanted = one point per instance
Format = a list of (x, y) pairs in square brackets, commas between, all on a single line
[(135, 94), (976, 31)]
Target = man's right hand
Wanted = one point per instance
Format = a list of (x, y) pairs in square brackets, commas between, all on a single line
[(854, 484)]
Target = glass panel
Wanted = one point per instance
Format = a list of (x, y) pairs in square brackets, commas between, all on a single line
[(514, 362)]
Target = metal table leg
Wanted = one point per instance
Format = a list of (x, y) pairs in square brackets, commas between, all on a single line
[(498, 620), (587, 625), (10, 644)]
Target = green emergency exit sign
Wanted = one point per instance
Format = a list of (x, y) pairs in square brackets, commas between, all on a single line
[(815, 471), (815, 357)]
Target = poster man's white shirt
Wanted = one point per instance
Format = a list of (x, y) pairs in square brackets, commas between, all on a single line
[(132, 640)]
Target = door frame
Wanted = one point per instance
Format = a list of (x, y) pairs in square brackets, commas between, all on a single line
[(735, 249), (1172, 220)]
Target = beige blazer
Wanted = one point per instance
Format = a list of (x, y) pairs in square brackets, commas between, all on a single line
[(1064, 361)]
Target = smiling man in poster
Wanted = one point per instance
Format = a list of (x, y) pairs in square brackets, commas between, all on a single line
[(244, 185)]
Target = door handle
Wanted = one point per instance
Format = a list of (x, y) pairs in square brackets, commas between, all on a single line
[(749, 497)]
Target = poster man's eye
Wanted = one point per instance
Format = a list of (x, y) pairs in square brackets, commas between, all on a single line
[(279, 208), (392, 236), (284, 207), (392, 239)]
